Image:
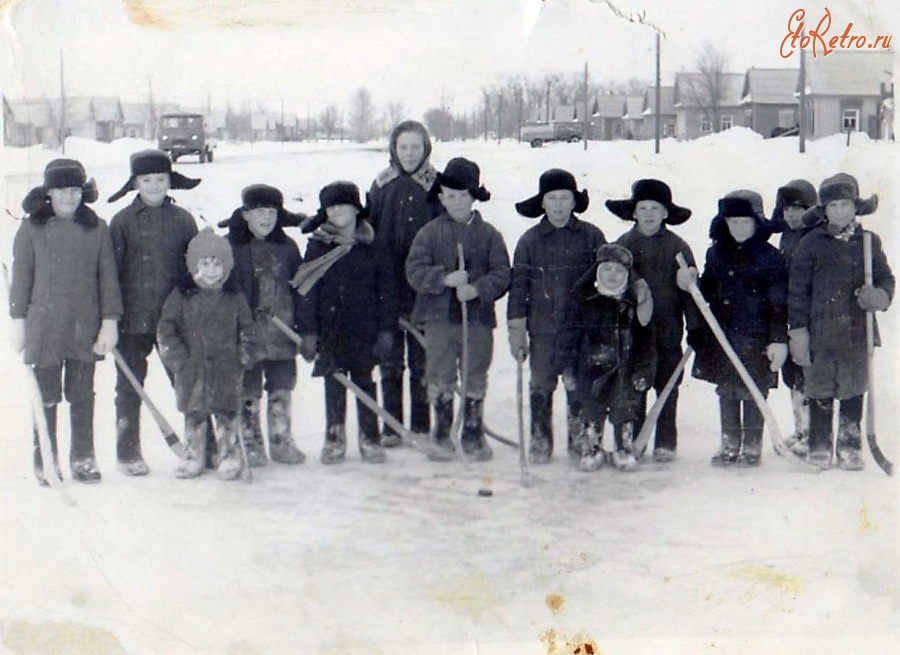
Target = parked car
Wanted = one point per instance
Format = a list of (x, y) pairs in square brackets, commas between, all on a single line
[(186, 134), (539, 134)]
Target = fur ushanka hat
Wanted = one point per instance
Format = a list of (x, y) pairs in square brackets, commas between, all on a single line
[(147, 162), (844, 186), (796, 193), (742, 202), (555, 179), (335, 193), (61, 174), (613, 252), (463, 175), (649, 189)]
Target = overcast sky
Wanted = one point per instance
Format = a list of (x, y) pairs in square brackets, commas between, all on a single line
[(311, 52)]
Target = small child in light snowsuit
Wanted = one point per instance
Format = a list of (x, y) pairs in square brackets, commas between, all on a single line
[(827, 305), (205, 336)]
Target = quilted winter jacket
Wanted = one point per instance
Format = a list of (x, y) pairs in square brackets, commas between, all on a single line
[(434, 254), (63, 283), (149, 245), (547, 263)]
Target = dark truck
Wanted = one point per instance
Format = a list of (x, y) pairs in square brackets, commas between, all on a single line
[(538, 134), (186, 134)]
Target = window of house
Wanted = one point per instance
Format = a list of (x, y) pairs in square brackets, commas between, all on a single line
[(705, 124), (668, 129), (726, 123), (850, 120)]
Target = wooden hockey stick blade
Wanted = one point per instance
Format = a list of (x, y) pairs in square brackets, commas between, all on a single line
[(643, 438), (760, 400), (172, 440), (246, 473), (409, 327)]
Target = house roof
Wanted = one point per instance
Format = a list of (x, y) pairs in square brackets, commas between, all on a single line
[(692, 90), (770, 86), (666, 101), (38, 113), (634, 105), (849, 73), (568, 113), (609, 106)]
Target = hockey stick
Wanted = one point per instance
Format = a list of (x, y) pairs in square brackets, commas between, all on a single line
[(760, 400), (520, 411), (417, 334), (172, 440), (408, 437), (883, 462), (643, 438), (459, 423), (246, 473)]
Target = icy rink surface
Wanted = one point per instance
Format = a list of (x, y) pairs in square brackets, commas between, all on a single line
[(406, 557)]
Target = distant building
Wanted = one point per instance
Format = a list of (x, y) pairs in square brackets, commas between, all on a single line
[(845, 91), (702, 107), (633, 119), (607, 122), (666, 112), (29, 122), (769, 98)]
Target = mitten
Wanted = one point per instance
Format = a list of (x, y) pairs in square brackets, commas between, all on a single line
[(645, 301), (777, 354), (383, 345), (641, 384), (872, 299), (456, 279), (685, 276), (309, 345), (466, 292), (18, 334), (799, 345), (518, 338), (568, 379), (108, 336)]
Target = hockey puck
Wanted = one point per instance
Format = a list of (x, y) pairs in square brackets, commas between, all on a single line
[(485, 493)]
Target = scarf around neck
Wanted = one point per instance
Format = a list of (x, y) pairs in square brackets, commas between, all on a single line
[(312, 271)]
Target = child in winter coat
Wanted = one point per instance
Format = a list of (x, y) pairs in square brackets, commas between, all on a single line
[(745, 283), (791, 202), (65, 305), (348, 312), (654, 248), (827, 306), (149, 239), (607, 354), (205, 335), (399, 206), (432, 269), (265, 261), (549, 258)]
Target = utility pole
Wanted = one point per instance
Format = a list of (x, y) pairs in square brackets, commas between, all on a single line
[(547, 117), (802, 107), (487, 106), (657, 119), (499, 116), (62, 106), (153, 119), (587, 112)]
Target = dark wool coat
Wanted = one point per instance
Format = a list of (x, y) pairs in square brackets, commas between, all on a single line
[(603, 342), (745, 285), (205, 338), (347, 308), (547, 263), (149, 244), (825, 274), (654, 260), (434, 254), (399, 207), (63, 284), (263, 269)]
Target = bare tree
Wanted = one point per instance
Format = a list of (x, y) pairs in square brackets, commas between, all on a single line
[(439, 123), (707, 87), (329, 120), (362, 115), (394, 113)]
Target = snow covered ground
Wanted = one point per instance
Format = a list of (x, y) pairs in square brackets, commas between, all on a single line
[(406, 557)]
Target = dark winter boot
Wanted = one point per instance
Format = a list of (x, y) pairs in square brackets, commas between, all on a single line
[(195, 447), (730, 418), (335, 414), (254, 445), (751, 444), (849, 441), (369, 442), (281, 443), (820, 433), (81, 457), (799, 441), (211, 458), (392, 401), (574, 427), (473, 442), (592, 453), (50, 416), (541, 429), (128, 440), (230, 464), (623, 457), (419, 409), (443, 422)]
